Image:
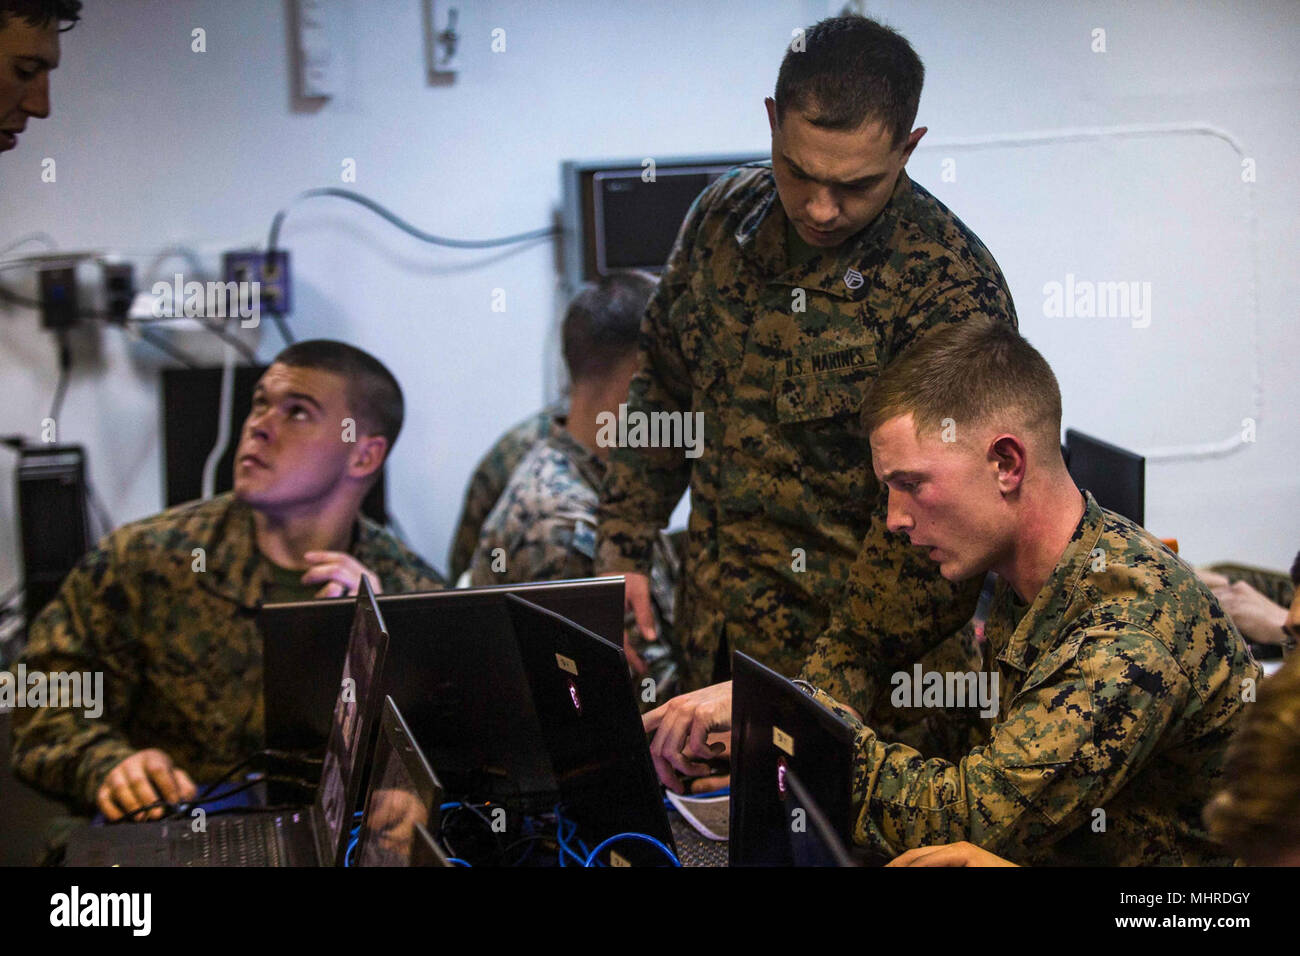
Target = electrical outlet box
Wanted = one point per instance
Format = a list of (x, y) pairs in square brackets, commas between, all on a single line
[(119, 289), (441, 42), (271, 272), (59, 298)]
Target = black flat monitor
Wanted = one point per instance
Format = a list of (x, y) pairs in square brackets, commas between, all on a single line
[(587, 707), (453, 670), (776, 728), (626, 213), (404, 794), (1116, 477)]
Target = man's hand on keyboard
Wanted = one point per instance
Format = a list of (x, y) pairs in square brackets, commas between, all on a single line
[(143, 778), (681, 730)]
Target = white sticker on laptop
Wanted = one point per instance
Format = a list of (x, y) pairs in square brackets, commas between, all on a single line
[(782, 740), (566, 664)]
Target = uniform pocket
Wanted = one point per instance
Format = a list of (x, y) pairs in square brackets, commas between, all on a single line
[(827, 382)]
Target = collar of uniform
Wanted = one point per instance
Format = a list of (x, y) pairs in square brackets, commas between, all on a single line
[(234, 565), (761, 236), (238, 571), (590, 467), (1039, 631)]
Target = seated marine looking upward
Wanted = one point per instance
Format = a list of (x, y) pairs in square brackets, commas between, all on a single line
[(164, 607)]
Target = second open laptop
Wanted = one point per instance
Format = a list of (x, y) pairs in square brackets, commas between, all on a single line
[(593, 734), (777, 729), (402, 802), (315, 835)]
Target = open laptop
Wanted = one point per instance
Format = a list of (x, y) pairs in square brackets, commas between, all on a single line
[(453, 670), (425, 850), (404, 796), (308, 836), (776, 728), (592, 728)]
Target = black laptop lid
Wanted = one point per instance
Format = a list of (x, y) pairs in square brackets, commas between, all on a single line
[(303, 644), (586, 704), (355, 710), (776, 728), (425, 851), (403, 794), (813, 841)]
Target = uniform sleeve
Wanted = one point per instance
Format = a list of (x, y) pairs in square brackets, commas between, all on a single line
[(643, 485), (893, 610), (400, 569), (486, 485), (1066, 747), (543, 549), (86, 629), (895, 607), (412, 575)]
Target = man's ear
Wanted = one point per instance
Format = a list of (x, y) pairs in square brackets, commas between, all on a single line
[(1008, 453), (912, 140), (368, 456), (771, 114)]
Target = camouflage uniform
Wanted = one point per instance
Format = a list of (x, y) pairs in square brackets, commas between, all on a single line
[(489, 480), (1119, 687), (179, 649), (545, 526), (778, 360)]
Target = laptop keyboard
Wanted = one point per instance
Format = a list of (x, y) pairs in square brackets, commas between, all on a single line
[(237, 840), (693, 849)]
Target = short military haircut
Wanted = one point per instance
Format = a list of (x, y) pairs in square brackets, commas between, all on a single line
[(373, 393), (978, 372), (603, 324), (1256, 816), (40, 13), (851, 70)]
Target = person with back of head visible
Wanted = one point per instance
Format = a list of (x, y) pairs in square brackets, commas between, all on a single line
[(543, 527), (29, 52), (1116, 680), (165, 607), (488, 481)]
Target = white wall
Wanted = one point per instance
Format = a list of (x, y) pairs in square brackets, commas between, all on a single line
[(159, 146)]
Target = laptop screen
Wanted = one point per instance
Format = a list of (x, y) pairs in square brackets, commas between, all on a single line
[(404, 794), (349, 733), (813, 841), (453, 669), (593, 731), (776, 728)]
